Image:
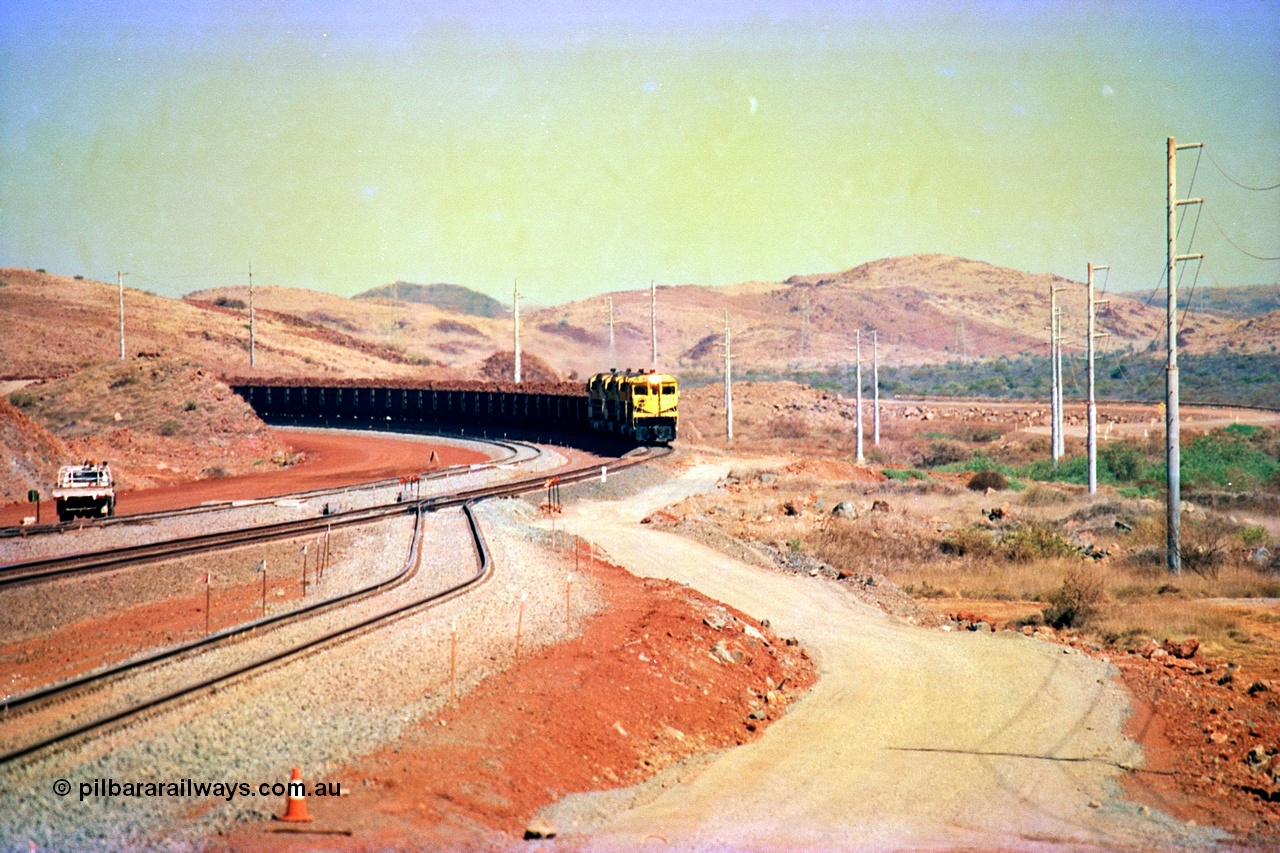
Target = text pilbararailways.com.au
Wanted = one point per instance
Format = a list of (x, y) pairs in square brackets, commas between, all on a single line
[(227, 790)]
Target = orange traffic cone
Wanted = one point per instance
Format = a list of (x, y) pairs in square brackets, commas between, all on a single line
[(296, 812)]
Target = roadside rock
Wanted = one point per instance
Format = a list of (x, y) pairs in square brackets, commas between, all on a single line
[(540, 828), (1182, 648), (845, 509)]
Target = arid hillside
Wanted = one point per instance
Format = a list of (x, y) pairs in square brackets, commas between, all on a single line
[(924, 308), (31, 455), (156, 420), (56, 325)]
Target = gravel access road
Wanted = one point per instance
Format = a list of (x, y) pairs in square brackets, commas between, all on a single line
[(912, 738)]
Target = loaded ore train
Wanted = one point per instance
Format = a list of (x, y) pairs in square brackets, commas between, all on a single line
[(638, 406)]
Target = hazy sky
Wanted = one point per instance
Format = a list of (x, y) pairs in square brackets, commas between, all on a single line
[(586, 147)]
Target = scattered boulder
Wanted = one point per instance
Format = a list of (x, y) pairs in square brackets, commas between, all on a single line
[(792, 508), (715, 620), (1183, 649), (845, 509), (879, 506)]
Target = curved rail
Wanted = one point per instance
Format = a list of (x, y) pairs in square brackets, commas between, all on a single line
[(69, 688), (513, 449)]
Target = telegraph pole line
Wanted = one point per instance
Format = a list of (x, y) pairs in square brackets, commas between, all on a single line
[(120, 287), (875, 389), (1062, 433), (252, 329), (653, 322), (1091, 405), (858, 381), (613, 349), (728, 382), (1053, 372), (515, 315), (1172, 426)]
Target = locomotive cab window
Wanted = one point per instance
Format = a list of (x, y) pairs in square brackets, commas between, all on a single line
[(668, 388), (642, 390)]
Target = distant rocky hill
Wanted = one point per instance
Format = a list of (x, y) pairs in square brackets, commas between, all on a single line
[(448, 297), (1240, 301)]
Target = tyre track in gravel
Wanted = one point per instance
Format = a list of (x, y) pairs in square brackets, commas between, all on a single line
[(911, 738)]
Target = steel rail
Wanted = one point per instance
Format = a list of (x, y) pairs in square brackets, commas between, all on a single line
[(465, 500), (513, 448)]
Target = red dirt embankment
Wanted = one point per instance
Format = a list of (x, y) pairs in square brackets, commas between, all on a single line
[(643, 687), (329, 461)]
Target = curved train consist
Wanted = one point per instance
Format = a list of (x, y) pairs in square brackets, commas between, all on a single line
[(636, 406)]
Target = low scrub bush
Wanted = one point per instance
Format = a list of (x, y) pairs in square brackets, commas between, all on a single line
[(1077, 600), (169, 428), (944, 452), (968, 542), (228, 302), (1038, 495), (904, 474), (22, 399), (1034, 540), (983, 480)]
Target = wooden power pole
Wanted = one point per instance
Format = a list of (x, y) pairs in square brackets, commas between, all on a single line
[(875, 390), (858, 381), (1172, 427), (1091, 404), (653, 322), (728, 382), (515, 315), (252, 325), (120, 287)]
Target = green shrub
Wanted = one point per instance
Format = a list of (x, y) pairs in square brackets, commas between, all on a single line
[(22, 399), (190, 406), (1034, 540), (1122, 460), (1253, 535), (169, 428), (904, 474)]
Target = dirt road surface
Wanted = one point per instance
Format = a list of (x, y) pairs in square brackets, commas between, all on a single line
[(912, 738)]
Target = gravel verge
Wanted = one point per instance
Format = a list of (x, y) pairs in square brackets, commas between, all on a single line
[(71, 539), (318, 712)]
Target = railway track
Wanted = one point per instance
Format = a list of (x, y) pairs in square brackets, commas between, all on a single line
[(48, 701), (515, 452)]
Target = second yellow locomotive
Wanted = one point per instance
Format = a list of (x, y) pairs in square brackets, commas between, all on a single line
[(637, 405)]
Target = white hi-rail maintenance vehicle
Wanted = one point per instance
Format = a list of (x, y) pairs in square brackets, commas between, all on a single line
[(85, 490)]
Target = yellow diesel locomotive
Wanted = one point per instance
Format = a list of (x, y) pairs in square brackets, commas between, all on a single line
[(637, 405)]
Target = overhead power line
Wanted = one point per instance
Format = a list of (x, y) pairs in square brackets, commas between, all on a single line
[(1234, 181), (1237, 246)]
